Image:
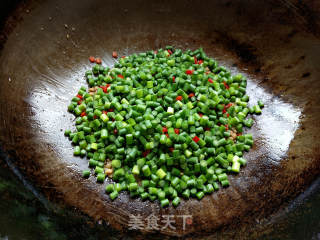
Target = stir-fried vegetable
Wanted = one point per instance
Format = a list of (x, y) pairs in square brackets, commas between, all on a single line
[(163, 125)]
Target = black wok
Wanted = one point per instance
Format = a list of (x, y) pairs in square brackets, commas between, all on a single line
[(275, 44)]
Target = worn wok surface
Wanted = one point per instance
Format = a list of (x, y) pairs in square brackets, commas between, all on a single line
[(275, 44)]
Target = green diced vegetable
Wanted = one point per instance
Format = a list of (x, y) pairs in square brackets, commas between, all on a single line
[(163, 125)]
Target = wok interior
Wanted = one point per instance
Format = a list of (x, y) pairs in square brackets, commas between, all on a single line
[(46, 54)]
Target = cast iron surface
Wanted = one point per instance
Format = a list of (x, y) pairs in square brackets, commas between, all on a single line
[(275, 44), (23, 216)]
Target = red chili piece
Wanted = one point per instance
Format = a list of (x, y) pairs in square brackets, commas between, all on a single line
[(228, 105), (200, 114), (228, 115), (114, 54), (95, 117), (171, 149), (207, 129), (83, 114), (104, 112), (189, 72), (145, 153), (195, 60), (92, 59), (164, 129), (179, 98), (79, 96), (115, 131), (167, 135), (173, 79), (110, 110), (210, 80), (120, 76), (176, 130), (108, 85), (79, 102), (191, 95), (200, 61), (169, 51), (98, 60), (123, 56), (226, 85), (196, 139), (104, 88), (227, 127)]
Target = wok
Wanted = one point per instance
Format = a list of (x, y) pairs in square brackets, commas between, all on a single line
[(275, 44)]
